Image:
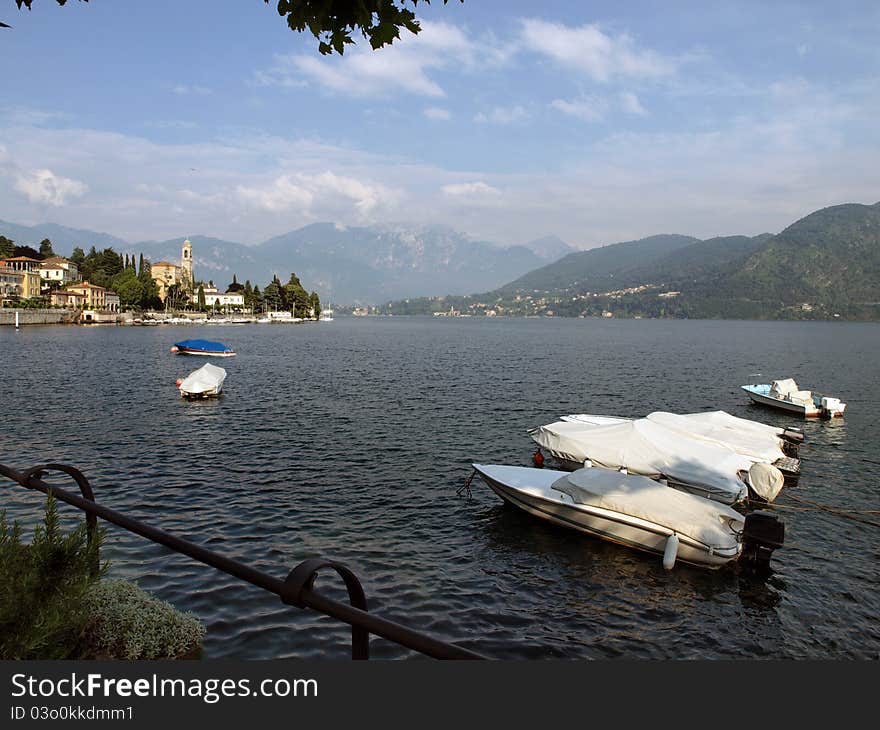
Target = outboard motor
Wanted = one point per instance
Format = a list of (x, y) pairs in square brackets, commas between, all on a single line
[(762, 534), (790, 448)]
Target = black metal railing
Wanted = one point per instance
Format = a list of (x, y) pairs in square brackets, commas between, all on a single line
[(297, 589)]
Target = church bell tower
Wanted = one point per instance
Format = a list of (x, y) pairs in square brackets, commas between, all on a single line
[(186, 263)]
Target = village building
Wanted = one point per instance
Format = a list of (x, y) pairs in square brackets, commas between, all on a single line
[(94, 297), (59, 270), (221, 299), (18, 283), (67, 299), (167, 274), (21, 263)]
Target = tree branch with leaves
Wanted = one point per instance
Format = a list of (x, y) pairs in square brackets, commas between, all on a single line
[(333, 22)]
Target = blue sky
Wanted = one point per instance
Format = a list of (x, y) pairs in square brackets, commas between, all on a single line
[(597, 122)]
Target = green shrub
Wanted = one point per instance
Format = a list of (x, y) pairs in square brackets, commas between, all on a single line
[(43, 585), (128, 623), (54, 605)]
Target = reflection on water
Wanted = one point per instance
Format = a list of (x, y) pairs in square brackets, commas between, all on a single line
[(350, 441)]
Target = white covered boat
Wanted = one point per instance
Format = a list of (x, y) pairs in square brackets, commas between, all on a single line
[(786, 395), (702, 467), (638, 512), (756, 441), (206, 382)]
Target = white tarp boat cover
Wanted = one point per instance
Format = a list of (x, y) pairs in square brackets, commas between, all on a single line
[(652, 450), (782, 388), (751, 443), (722, 419), (766, 480), (686, 514), (208, 379), (754, 440)]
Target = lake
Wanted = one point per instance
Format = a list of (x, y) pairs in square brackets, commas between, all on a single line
[(349, 440)]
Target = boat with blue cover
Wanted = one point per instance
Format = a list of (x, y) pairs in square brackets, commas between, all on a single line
[(202, 347)]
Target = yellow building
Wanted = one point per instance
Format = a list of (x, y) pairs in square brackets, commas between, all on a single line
[(94, 297), (18, 283), (66, 299), (166, 274)]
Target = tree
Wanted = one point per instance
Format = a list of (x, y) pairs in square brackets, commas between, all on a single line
[(201, 301), (315, 305), (46, 249), (248, 294), (28, 251), (78, 256), (234, 286), (295, 296), (7, 246), (333, 21)]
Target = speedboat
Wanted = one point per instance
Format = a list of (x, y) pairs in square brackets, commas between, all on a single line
[(756, 441), (644, 447), (206, 382), (640, 513), (786, 395), (202, 347)]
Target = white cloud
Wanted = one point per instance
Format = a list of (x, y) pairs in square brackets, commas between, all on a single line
[(502, 115), (281, 195), (470, 190), (591, 51), (588, 109), (46, 188), (437, 113), (403, 67), (302, 193)]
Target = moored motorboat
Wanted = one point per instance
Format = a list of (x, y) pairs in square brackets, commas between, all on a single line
[(756, 441), (644, 447), (786, 395), (202, 347), (206, 382), (638, 512)]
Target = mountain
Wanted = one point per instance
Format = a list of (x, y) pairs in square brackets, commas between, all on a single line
[(825, 265), (549, 248), (378, 263), (597, 268), (63, 239), (345, 265)]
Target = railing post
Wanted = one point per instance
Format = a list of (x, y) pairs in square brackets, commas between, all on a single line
[(302, 577)]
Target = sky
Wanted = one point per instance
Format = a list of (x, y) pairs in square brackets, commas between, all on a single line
[(593, 121)]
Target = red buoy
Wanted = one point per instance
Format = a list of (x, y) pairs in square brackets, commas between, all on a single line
[(538, 459)]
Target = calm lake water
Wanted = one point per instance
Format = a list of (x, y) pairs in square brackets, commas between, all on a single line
[(349, 439)]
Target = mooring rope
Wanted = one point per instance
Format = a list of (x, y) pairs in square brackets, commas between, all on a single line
[(850, 514), (466, 487)]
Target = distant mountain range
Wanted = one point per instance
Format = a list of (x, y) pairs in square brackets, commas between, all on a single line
[(348, 265), (825, 265)]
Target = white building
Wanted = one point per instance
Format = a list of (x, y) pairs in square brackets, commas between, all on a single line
[(221, 299)]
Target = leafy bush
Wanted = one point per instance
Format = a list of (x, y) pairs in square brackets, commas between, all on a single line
[(42, 587), (128, 623), (54, 605)]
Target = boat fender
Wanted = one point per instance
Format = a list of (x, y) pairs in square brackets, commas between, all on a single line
[(623, 470), (538, 459), (588, 463), (173, 349), (671, 551), (178, 382)]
